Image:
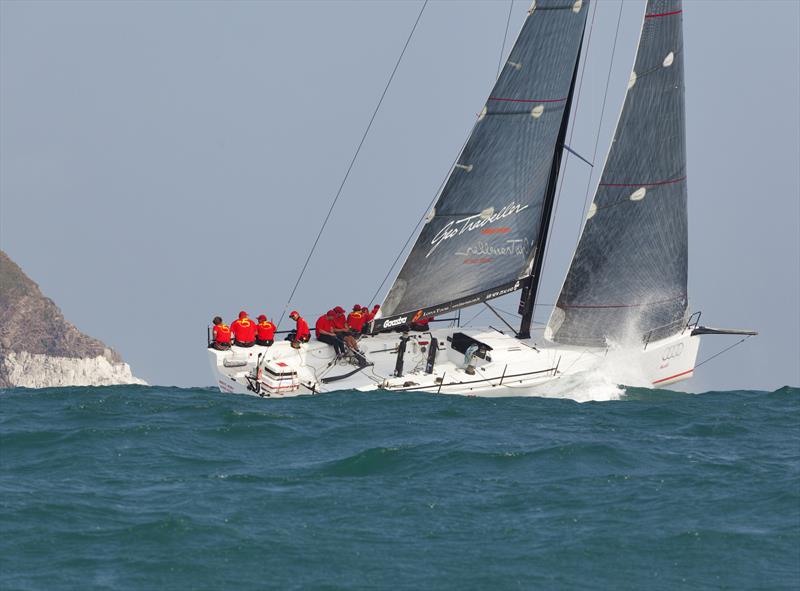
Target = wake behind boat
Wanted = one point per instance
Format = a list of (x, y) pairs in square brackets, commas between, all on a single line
[(625, 293)]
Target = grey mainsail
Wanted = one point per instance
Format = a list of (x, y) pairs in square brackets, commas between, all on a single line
[(479, 240), (627, 280)]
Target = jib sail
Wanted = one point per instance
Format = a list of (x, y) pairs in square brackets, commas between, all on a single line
[(479, 240), (627, 280)]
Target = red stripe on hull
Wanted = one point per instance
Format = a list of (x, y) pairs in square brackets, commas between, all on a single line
[(677, 375)]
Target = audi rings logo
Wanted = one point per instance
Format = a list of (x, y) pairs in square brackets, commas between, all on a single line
[(672, 352)]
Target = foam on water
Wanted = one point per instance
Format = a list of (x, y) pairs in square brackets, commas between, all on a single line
[(605, 381)]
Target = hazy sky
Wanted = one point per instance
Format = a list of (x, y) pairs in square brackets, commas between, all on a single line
[(163, 162)]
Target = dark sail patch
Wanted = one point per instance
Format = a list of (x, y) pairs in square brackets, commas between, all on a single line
[(479, 240), (627, 280)]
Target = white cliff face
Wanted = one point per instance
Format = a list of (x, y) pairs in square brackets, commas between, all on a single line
[(26, 370)]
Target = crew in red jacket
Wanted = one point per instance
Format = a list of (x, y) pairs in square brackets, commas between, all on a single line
[(301, 334), (265, 332), (339, 320), (342, 330), (356, 319), (244, 331), (372, 314), (222, 335), (325, 334), (421, 324)]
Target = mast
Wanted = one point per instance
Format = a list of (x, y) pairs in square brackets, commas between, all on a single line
[(527, 300), (480, 239)]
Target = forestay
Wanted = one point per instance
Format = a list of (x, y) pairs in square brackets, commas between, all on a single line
[(478, 241), (627, 280)]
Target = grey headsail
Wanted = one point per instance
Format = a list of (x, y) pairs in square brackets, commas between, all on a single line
[(627, 280), (478, 242)]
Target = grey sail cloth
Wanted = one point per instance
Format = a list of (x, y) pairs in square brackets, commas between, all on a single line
[(627, 280), (478, 241)]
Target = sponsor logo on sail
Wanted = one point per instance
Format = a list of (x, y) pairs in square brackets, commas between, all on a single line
[(395, 322), (472, 223), (517, 247)]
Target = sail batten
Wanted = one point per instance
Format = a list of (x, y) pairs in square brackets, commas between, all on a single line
[(479, 240), (628, 277)]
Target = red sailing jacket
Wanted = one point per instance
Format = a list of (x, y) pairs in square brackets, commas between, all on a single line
[(339, 321), (356, 320), (323, 324), (244, 330), (222, 334), (265, 331), (302, 329)]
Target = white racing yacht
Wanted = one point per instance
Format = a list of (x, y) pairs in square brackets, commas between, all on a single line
[(624, 301)]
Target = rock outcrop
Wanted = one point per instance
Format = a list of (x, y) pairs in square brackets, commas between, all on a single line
[(40, 349)]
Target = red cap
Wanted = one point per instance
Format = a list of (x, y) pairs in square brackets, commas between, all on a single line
[(376, 307), (242, 314), (293, 313), (262, 318), (357, 307), (339, 309)]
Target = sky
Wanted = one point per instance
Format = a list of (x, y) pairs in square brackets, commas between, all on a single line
[(165, 162)]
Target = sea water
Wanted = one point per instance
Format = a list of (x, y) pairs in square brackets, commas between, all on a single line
[(164, 488)]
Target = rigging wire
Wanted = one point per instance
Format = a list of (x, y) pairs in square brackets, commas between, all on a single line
[(447, 174), (352, 162), (571, 133), (505, 37), (422, 217), (482, 310), (600, 124), (725, 350)]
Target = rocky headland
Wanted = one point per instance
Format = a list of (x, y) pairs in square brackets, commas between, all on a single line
[(39, 348)]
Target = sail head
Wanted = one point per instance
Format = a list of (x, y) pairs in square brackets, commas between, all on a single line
[(628, 277), (478, 241)]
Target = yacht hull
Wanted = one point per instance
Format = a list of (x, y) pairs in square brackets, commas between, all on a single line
[(509, 366)]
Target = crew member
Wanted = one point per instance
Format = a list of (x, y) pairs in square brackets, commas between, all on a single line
[(222, 335), (367, 320), (421, 324), (244, 331), (342, 330), (339, 320), (265, 332), (374, 312), (356, 319), (301, 333), (325, 334)]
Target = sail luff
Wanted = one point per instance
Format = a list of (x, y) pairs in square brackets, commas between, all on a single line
[(530, 290), (627, 280), (478, 241)]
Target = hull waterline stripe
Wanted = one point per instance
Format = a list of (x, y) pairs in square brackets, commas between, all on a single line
[(657, 15), (511, 100), (669, 182), (677, 375)]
